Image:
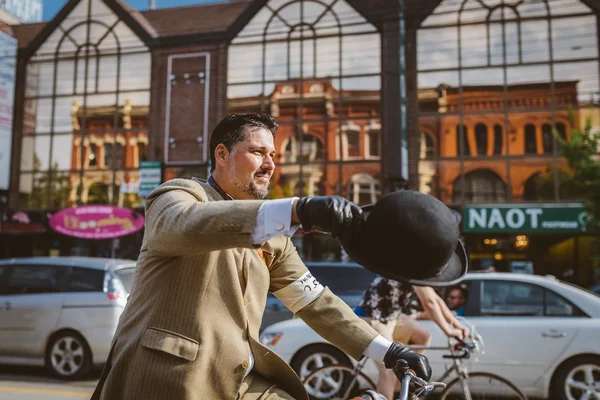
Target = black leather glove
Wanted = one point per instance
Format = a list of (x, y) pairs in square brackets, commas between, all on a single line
[(417, 362), (333, 214)]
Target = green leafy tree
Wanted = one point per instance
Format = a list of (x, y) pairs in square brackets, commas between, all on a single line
[(50, 188), (580, 180)]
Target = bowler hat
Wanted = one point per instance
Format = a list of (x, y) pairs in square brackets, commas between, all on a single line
[(410, 237)]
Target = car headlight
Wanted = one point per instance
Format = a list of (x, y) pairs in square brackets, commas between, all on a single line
[(270, 339)]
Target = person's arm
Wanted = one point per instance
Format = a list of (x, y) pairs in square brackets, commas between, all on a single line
[(180, 220), (429, 301), (451, 318), (329, 316)]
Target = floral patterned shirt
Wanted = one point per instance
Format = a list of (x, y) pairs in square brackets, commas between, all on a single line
[(385, 299)]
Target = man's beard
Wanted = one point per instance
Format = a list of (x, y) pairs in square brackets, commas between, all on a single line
[(250, 188)]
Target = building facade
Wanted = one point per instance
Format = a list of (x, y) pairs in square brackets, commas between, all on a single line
[(456, 99)]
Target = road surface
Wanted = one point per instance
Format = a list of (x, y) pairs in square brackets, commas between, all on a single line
[(28, 383)]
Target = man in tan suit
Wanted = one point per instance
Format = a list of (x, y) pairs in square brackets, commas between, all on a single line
[(211, 253)]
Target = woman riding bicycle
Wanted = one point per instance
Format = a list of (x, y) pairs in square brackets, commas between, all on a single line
[(386, 306)]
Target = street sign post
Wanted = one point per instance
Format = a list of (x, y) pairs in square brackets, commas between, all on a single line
[(150, 177)]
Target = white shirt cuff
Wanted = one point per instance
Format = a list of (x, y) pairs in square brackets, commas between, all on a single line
[(377, 349), (274, 219)]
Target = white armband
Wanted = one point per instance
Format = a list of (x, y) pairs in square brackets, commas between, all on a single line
[(300, 293)]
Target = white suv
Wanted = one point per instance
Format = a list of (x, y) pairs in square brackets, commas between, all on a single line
[(61, 312)]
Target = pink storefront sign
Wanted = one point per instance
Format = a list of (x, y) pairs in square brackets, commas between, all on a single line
[(97, 222)]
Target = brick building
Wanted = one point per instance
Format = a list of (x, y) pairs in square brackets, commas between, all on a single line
[(371, 96)]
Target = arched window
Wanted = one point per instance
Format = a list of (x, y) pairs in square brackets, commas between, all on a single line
[(530, 139), (547, 138), (310, 149), (480, 186), (530, 188), (363, 189), (481, 139), (461, 141), (498, 139), (427, 147)]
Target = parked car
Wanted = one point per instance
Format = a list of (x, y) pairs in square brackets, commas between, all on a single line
[(61, 312), (347, 280), (539, 333)]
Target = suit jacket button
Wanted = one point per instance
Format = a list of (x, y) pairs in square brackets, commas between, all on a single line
[(238, 228), (245, 364), (246, 302)]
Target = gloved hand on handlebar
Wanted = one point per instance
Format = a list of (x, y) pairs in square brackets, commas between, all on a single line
[(333, 214), (417, 362)]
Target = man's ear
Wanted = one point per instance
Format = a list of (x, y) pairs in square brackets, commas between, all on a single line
[(221, 153)]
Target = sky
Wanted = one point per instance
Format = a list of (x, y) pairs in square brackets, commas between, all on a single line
[(51, 7)]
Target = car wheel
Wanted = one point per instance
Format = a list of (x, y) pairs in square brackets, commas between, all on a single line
[(578, 378), (68, 356), (317, 356)]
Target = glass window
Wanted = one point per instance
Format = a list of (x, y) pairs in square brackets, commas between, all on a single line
[(427, 146), (353, 138), (481, 138), (530, 139), (86, 280), (142, 152), (498, 139), (337, 52), (461, 141), (87, 85), (512, 63), (511, 299), (119, 155), (547, 138), (557, 306), (374, 144), (531, 187), (480, 186), (108, 154), (4, 270), (363, 189), (92, 155), (33, 279)]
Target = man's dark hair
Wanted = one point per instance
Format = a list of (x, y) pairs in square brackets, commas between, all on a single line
[(234, 128)]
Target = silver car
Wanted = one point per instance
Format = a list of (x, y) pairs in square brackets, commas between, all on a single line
[(61, 312)]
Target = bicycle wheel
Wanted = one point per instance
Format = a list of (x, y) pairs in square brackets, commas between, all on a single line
[(482, 385), (336, 382)]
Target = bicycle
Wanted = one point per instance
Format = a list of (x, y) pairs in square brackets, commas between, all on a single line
[(337, 382), (408, 381)]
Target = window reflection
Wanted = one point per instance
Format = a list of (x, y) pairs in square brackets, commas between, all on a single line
[(87, 111), (330, 117), (503, 80)]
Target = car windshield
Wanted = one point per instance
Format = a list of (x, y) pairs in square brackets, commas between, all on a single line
[(125, 275)]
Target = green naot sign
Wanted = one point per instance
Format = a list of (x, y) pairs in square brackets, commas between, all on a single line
[(525, 218)]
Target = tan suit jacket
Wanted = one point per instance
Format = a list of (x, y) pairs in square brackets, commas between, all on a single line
[(197, 302)]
